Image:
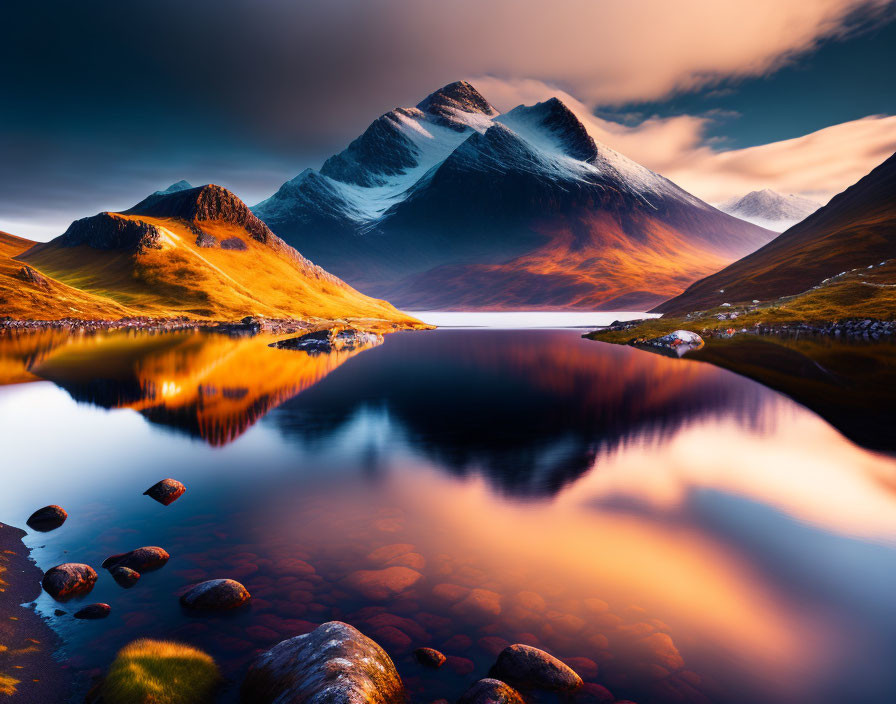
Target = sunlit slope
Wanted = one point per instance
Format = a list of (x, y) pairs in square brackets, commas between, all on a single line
[(202, 254), (857, 229), (43, 297), (210, 386)]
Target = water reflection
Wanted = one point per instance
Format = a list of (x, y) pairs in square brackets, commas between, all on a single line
[(680, 533), (209, 386)]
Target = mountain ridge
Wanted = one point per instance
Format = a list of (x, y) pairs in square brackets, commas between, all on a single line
[(490, 194), (770, 209)]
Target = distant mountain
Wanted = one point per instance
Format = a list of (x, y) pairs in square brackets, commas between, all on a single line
[(198, 252), (856, 229), (174, 188), (451, 205), (770, 209)]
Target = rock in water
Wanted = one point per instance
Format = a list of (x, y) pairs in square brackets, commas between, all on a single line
[(429, 657), (140, 560), (334, 664), (125, 576), (94, 611), (68, 580), (47, 518), (490, 691), (216, 595), (530, 668), (166, 491), (676, 343), (322, 341)]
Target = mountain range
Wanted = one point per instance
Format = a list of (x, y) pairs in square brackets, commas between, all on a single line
[(770, 209), (196, 252), (451, 205), (847, 244)]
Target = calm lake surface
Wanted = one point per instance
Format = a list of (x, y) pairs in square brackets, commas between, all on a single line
[(676, 532)]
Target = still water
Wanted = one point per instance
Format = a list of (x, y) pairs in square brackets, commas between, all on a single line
[(676, 532)]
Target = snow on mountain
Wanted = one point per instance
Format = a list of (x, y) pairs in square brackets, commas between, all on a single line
[(174, 188), (770, 209)]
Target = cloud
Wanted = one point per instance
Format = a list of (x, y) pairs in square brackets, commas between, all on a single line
[(816, 165)]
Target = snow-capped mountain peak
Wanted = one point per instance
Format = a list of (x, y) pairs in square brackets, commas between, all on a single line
[(770, 209), (181, 185)]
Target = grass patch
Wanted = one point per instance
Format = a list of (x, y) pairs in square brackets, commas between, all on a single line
[(160, 672)]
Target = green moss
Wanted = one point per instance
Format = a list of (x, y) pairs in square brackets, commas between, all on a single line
[(160, 672)]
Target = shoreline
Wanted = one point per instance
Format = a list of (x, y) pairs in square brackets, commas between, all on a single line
[(28, 670)]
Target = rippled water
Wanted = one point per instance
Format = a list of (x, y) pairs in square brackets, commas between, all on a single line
[(676, 532)]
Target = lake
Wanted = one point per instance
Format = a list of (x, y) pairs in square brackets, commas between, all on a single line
[(675, 531)]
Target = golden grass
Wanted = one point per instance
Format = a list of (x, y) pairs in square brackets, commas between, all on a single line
[(160, 672), (182, 278), (868, 293)]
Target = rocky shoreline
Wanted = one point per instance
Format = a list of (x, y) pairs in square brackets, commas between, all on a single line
[(28, 670)]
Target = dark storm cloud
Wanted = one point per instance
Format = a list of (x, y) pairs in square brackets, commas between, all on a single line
[(102, 101)]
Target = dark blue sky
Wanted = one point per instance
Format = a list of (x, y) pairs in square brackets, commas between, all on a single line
[(103, 102)]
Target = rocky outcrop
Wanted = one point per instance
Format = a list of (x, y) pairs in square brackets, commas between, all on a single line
[(47, 518), (334, 664), (324, 341), (215, 595), (489, 691), (209, 202), (526, 667), (29, 275), (166, 491), (110, 231), (677, 343), (69, 580), (142, 559)]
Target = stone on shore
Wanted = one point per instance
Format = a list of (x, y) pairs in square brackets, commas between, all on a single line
[(94, 611), (140, 560), (69, 580), (166, 491), (676, 343), (334, 664), (124, 576), (429, 657), (47, 518), (489, 691), (526, 667), (215, 595)]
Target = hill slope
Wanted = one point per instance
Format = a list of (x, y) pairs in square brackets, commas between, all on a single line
[(451, 205), (856, 229), (197, 252)]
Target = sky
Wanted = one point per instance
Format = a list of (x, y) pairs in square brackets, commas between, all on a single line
[(104, 102)]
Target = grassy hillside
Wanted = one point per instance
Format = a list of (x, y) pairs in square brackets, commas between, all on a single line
[(856, 229), (24, 299), (861, 293), (198, 253)]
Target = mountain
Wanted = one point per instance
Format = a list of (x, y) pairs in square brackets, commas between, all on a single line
[(770, 209), (855, 230), (452, 205), (198, 252)]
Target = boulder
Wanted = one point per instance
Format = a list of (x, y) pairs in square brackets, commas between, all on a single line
[(69, 580), (47, 518), (676, 343), (26, 273), (140, 560), (526, 667), (489, 691), (334, 664), (125, 576), (429, 657), (94, 611), (479, 603), (322, 341), (166, 491), (215, 595)]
